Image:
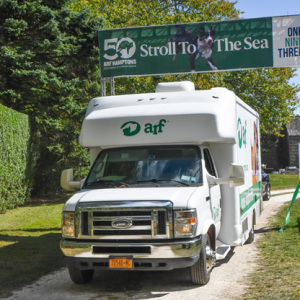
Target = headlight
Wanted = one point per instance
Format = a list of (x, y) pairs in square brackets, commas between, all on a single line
[(185, 223), (68, 228)]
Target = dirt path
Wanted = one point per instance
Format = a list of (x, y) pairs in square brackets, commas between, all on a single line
[(227, 279)]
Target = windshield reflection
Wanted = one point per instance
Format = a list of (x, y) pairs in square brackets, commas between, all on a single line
[(160, 165)]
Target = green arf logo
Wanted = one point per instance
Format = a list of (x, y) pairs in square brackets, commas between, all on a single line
[(242, 133), (132, 128)]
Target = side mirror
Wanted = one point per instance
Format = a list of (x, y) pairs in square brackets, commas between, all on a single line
[(237, 176), (66, 180)]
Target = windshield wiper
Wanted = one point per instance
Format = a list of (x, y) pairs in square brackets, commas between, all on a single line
[(116, 183), (155, 180)]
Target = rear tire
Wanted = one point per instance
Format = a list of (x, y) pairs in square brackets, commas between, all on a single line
[(200, 271), (251, 237), (267, 193), (80, 276)]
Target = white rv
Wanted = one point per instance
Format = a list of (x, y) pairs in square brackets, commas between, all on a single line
[(175, 181)]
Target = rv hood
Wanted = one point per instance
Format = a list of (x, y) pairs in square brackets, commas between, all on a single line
[(179, 196)]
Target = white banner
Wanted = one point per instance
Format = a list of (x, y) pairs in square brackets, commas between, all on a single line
[(286, 41)]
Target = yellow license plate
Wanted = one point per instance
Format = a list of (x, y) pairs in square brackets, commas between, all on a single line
[(120, 263)]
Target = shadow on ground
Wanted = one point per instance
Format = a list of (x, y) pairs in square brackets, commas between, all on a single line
[(25, 258)]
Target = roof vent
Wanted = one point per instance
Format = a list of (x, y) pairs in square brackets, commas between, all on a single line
[(179, 86)]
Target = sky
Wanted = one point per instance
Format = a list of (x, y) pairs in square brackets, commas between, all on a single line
[(270, 8)]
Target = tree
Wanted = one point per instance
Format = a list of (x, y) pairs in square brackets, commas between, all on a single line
[(267, 90), (128, 13), (49, 70)]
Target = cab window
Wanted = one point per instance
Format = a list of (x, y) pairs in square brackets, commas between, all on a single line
[(209, 163)]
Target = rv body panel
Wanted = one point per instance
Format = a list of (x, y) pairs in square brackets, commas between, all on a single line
[(152, 196)]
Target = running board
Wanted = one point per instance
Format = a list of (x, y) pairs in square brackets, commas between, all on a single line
[(222, 250)]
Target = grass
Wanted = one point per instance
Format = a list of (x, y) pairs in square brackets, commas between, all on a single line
[(30, 235), (29, 244), (278, 274), (283, 181)]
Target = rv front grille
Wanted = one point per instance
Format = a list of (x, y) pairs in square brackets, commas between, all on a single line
[(121, 232), (120, 221), (84, 223), (121, 250), (161, 222)]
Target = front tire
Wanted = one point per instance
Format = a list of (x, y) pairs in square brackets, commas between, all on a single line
[(80, 276), (200, 271)]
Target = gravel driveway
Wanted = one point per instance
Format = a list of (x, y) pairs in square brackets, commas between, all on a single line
[(227, 278)]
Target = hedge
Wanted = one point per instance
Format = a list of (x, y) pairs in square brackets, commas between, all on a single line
[(15, 158)]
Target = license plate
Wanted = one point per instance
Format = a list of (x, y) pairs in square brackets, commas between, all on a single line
[(120, 263)]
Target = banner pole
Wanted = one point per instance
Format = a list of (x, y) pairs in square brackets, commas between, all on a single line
[(112, 86), (103, 87)]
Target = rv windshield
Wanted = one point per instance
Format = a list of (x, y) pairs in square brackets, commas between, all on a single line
[(160, 165)]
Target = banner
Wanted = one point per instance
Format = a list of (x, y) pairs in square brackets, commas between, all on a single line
[(200, 47)]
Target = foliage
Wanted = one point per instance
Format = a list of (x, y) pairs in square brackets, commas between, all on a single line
[(29, 237), (120, 13), (16, 158), (128, 13), (277, 273), (268, 141), (266, 90), (269, 92), (49, 70)]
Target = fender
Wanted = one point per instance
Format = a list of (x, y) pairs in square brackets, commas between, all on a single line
[(206, 225), (210, 228)]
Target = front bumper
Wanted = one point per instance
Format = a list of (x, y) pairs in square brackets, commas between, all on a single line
[(163, 255)]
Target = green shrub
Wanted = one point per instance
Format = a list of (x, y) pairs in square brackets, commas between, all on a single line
[(16, 158)]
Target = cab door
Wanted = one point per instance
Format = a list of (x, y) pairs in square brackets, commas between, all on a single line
[(214, 189)]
